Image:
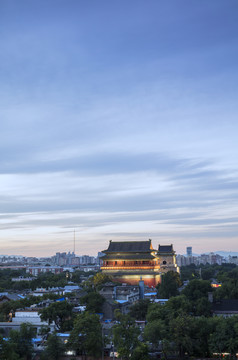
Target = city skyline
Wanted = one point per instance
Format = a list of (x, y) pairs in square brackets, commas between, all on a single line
[(118, 121)]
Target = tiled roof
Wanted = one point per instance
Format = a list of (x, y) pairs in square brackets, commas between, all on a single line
[(11, 296), (129, 246), (165, 248), (139, 256), (226, 305)]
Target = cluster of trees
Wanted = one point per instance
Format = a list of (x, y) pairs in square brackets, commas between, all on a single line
[(169, 285), (61, 312), (174, 328), (44, 280), (11, 306), (6, 276), (127, 339), (184, 326), (226, 274), (85, 328), (229, 288), (19, 344), (205, 272)]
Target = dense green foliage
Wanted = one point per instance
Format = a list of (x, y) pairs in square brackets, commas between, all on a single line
[(226, 274), (60, 313), (8, 306), (125, 336), (86, 336), (170, 282), (206, 272), (197, 293), (93, 301), (6, 276), (19, 344), (183, 327), (174, 328), (55, 348), (139, 309), (44, 280)]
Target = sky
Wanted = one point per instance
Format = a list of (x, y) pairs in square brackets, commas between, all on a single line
[(119, 120)]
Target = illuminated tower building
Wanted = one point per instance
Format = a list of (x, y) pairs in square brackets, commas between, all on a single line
[(130, 261)]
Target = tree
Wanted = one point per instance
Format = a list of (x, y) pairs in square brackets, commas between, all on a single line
[(203, 327), (8, 350), (228, 290), (93, 301), (59, 312), (208, 273), (139, 310), (197, 293), (180, 330), (157, 312), (156, 332), (100, 279), (7, 306), (225, 336), (54, 348), (125, 336), (86, 336), (170, 282), (21, 341), (189, 272), (196, 289), (202, 307), (76, 276), (178, 305), (140, 352)]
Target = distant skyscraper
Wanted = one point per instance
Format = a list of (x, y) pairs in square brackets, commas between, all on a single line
[(189, 251)]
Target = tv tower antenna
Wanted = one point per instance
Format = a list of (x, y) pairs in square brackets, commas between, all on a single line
[(74, 241)]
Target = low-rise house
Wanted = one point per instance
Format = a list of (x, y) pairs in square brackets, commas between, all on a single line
[(150, 295), (22, 278), (42, 291), (161, 301), (5, 296), (71, 289), (118, 297), (109, 307), (129, 293), (30, 316), (225, 308)]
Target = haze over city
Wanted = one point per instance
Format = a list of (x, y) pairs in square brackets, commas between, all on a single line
[(118, 121)]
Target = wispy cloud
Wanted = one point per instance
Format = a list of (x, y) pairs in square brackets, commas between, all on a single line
[(118, 120)]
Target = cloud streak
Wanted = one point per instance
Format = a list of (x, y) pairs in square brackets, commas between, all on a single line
[(118, 120)]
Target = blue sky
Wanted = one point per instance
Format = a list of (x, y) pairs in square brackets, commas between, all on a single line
[(118, 120)]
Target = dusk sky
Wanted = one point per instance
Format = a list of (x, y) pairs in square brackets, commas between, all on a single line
[(119, 119)]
